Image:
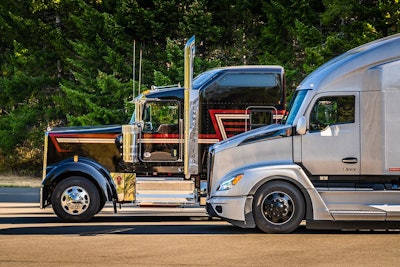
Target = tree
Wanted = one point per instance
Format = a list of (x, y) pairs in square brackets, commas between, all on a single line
[(97, 85), (27, 74), (289, 28), (69, 62)]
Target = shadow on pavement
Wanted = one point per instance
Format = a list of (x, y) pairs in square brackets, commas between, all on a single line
[(170, 226), (173, 227)]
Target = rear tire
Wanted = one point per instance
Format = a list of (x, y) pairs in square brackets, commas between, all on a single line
[(278, 207), (75, 199)]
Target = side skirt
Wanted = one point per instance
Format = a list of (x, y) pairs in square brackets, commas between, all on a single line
[(353, 225)]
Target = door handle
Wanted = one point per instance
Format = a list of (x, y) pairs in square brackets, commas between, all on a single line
[(350, 160)]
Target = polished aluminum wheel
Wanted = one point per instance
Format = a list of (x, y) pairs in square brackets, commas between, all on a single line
[(277, 207), (75, 200)]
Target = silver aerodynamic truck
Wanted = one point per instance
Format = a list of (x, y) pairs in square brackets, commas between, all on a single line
[(333, 162)]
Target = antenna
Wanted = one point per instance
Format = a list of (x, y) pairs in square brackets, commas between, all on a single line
[(140, 69), (133, 69)]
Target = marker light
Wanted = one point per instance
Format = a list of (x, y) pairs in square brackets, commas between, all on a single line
[(237, 178)]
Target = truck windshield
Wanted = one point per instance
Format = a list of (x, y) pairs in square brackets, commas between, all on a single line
[(203, 78), (294, 106), (132, 120)]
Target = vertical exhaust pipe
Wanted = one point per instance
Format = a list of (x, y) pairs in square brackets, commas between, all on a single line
[(188, 81)]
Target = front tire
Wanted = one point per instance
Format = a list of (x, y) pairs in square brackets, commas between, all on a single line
[(75, 199), (278, 207)]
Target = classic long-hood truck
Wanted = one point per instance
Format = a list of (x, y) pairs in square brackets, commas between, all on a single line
[(333, 162), (159, 158)]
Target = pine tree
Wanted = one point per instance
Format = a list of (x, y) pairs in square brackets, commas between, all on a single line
[(98, 85), (27, 76)]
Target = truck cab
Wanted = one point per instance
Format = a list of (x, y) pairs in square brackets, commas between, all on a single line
[(224, 102), (334, 160)]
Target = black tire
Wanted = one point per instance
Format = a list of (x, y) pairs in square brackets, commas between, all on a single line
[(101, 206), (75, 199), (278, 207)]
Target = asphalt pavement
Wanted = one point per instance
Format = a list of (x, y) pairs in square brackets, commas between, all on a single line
[(19, 195), (30, 236)]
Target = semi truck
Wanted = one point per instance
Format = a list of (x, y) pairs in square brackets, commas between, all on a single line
[(159, 158), (333, 162)]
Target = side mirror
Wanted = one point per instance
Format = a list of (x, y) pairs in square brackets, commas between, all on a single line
[(301, 126)]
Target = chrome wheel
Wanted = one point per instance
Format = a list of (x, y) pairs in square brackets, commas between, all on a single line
[(278, 208), (75, 200)]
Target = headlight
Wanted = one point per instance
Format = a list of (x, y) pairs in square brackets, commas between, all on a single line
[(229, 183)]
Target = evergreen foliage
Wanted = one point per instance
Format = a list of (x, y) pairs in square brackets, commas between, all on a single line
[(69, 62)]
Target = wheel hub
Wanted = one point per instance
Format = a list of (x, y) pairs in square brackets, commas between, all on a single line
[(75, 200), (277, 207)]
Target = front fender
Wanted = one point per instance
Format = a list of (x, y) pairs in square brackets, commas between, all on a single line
[(254, 176), (82, 167)]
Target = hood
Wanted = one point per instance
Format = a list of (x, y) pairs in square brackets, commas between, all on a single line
[(267, 132), (87, 129)]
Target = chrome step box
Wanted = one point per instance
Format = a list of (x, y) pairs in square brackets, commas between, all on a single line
[(165, 191)]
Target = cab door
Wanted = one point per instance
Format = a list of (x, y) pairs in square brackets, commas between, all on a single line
[(162, 132), (330, 149)]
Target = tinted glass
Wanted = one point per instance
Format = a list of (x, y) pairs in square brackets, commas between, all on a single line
[(332, 110), (248, 80), (294, 106)]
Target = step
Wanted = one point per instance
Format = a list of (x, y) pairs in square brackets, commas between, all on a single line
[(165, 191)]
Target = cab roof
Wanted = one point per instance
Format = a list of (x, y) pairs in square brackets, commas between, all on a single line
[(346, 71), (204, 78)]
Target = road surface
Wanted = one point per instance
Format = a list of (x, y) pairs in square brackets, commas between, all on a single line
[(33, 237)]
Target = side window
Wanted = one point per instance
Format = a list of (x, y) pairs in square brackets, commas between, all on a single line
[(248, 80), (332, 110), (161, 117), (260, 117)]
